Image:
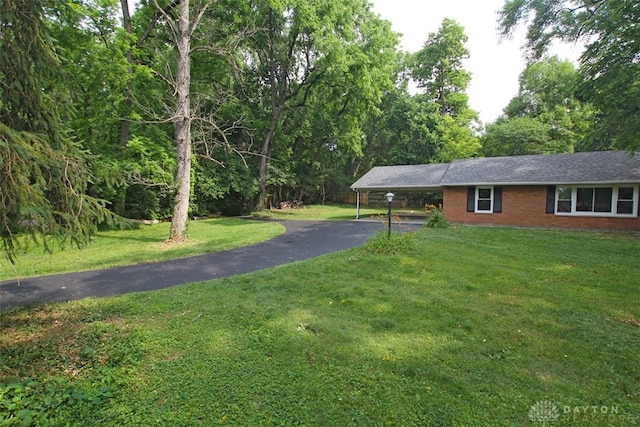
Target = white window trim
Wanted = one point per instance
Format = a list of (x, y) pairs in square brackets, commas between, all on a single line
[(614, 201), (475, 201)]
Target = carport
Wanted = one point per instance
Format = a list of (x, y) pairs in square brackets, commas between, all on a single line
[(418, 178)]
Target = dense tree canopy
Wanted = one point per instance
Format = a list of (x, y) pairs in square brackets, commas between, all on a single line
[(328, 60), (518, 136), (545, 117), (176, 108), (609, 67)]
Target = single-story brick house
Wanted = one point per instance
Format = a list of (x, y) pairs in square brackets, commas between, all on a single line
[(595, 190)]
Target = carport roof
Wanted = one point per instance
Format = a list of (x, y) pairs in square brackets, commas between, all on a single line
[(409, 177)]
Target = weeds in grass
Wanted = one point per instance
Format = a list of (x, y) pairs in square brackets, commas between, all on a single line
[(471, 328), (74, 357), (391, 243), (53, 402)]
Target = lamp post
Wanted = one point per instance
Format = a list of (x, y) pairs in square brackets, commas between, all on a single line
[(389, 199)]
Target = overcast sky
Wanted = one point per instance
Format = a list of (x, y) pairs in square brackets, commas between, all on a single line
[(495, 65)]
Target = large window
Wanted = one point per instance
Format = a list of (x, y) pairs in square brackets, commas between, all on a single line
[(597, 201)]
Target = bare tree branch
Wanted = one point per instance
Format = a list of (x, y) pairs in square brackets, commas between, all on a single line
[(160, 12)]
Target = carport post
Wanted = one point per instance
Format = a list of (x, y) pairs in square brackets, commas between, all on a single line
[(389, 197), (358, 204)]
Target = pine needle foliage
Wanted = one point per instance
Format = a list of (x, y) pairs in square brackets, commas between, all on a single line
[(43, 173)]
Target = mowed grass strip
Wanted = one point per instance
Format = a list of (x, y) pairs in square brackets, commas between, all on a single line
[(147, 243), (473, 327), (333, 212)]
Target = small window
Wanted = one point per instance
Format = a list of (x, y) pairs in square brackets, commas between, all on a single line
[(625, 200), (484, 199), (564, 199)]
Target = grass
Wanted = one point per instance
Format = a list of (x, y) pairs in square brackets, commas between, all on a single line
[(322, 212), (471, 326), (145, 244)]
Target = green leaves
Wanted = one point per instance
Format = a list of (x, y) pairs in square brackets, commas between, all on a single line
[(546, 116), (395, 243), (517, 136), (52, 402), (42, 192), (43, 173), (609, 66), (438, 68), (324, 65)]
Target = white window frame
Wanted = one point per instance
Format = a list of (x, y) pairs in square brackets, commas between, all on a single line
[(477, 199), (614, 201)]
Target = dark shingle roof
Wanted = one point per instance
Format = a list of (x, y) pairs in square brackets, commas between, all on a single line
[(602, 167), (575, 168), (410, 177)]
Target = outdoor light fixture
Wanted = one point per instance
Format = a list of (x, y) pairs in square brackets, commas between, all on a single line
[(389, 199)]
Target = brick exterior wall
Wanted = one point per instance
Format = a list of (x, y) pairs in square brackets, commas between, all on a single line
[(525, 206)]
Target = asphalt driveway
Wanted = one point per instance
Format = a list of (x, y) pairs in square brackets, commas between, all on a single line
[(302, 240)]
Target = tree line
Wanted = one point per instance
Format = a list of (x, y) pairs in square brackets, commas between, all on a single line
[(183, 108)]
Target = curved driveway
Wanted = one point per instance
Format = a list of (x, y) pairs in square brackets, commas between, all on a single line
[(301, 240)]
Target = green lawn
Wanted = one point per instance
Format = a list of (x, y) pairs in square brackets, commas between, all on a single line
[(143, 244), (147, 243), (322, 212), (476, 326)]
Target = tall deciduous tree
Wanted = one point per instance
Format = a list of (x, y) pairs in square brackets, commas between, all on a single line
[(438, 69), (43, 173), (609, 65), (94, 70), (182, 24), (182, 119), (307, 44)]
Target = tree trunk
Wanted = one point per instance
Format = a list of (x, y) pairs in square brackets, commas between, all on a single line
[(278, 91), (125, 124), (182, 123), (264, 161)]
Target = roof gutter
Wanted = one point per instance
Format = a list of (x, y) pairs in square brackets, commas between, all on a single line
[(469, 184), (403, 187)]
